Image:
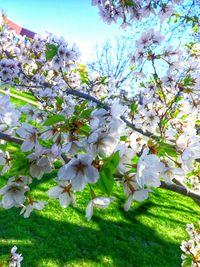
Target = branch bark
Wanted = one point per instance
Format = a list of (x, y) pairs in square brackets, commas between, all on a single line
[(12, 139), (182, 190)]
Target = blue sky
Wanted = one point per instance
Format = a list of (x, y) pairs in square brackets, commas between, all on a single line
[(76, 20)]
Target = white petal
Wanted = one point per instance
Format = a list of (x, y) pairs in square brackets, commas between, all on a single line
[(28, 211), (66, 172), (141, 195), (54, 192), (40, 205), (36, 171), (92, 138), (7, 201), (19, 197), (27, 145), (103, 202), (79, 182), (92, 174), (89, 210), (64, 200), (128, 202)]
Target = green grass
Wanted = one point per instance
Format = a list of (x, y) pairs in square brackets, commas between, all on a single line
[(149, 235)]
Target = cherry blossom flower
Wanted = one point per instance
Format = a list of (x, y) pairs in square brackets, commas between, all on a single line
[(126, 155), (134, 192), (98, 202), (63, 193), (38, 205), (29, 133), (149, 170), (15, 258), (102, 143), (79, 171), (40, 161), (13, 193), (5, 161)]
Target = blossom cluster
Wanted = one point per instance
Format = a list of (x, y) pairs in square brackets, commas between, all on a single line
[(191, 248), (129, 11)]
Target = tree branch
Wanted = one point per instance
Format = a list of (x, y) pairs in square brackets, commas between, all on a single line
[(182, 190), (12, 139)]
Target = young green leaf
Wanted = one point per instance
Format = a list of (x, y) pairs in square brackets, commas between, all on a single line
[(54, 119)]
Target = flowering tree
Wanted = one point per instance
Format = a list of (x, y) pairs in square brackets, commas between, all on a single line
[(96, 141)]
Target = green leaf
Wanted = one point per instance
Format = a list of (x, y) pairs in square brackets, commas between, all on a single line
[(82, 69), (54, 119), (113, 161), (195, 29), (51, 52), (85, 129), (134, 107), (86, 113), (103, 80), (59, 101), (197, 122), (188, 81), (178, 98), (106, 180), (166, 149), (187, 262), (164, 122), (123, 138)]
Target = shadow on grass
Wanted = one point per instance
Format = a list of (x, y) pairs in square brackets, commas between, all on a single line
[(101, 242)]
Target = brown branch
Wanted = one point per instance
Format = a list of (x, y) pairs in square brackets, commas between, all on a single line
[(12, 139), (182, 190)]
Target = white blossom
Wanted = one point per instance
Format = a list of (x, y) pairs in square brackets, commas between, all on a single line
[(98, 202), (79, 171)]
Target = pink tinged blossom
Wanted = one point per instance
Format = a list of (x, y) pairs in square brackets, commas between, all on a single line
[(30, 134), (13, 194), (149, 170), (147, 10), (98, 202), (38, 205), (97, 118), (30, 111), (15, 258), (79, 171), (165, 12), (63, 193), (190, 229), (126, 155), (5, 161), (57, 63), (170, 173), (72, 147), (134, 192), (187, 246), (102, 143), (41, 161), (117, 109), (8, 113), (138, 195)]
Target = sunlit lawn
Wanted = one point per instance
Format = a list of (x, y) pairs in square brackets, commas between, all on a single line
[(149, 235)]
